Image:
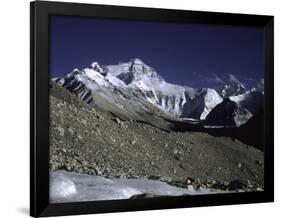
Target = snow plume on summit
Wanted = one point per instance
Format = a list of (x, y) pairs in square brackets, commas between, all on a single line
[(233, 79)]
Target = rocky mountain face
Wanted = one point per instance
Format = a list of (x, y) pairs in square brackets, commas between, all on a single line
[(251, 100), (227, 113), (202, 104)]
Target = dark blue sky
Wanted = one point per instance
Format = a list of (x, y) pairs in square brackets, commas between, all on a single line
[(179, 52)]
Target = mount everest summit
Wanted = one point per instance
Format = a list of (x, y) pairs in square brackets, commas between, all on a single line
[(134, 90)]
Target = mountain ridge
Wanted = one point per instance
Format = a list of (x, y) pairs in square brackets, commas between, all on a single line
[(129, 82)]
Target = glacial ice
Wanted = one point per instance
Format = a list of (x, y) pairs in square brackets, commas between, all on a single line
[(74, 187)]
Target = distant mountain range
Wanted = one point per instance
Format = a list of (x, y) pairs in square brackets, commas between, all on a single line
[(134, 90)]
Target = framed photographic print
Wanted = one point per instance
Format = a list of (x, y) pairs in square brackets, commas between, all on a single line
[(142, 109)]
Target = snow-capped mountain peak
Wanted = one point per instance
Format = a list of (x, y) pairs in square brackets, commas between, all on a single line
[(200, 106), (134, 70), (95, 66), (137, 61), (136, 87), (231, 89), (95, 76)]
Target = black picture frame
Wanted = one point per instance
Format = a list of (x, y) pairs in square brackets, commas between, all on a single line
[(39, 108)]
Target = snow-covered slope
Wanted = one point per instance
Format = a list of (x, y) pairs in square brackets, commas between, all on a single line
[(173, 98)]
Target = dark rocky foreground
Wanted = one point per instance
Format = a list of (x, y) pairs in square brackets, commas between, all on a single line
[(86, 140)]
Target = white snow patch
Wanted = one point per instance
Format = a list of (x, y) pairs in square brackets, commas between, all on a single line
[(75, 187), (94, 76), (115, 81), (62, 187), (211, 100)]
